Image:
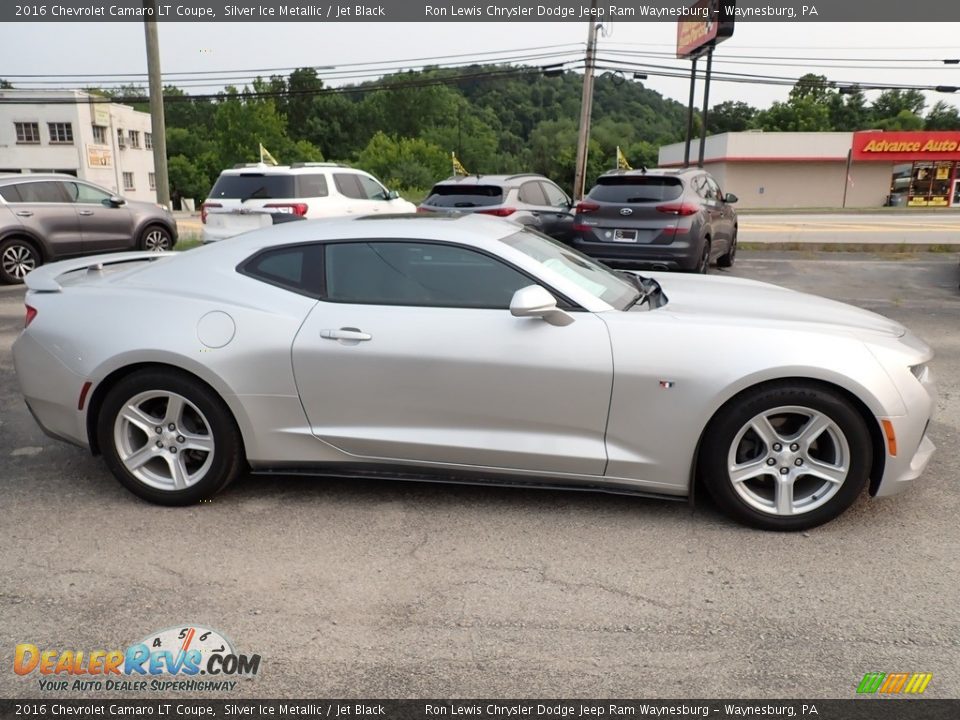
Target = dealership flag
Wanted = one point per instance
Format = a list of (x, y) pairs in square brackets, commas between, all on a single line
[(265, 156), (622, 163), (458, 168)]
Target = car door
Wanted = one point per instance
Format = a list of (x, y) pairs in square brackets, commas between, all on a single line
[(727, 218), (362, 195), (43, 207), (714, 205), (412, 355), (556, 219), (104, 225)]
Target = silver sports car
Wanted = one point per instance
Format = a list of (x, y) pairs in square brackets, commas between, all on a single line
[(467, 349)]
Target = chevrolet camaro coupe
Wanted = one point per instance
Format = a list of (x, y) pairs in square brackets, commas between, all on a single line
[(469, 349)]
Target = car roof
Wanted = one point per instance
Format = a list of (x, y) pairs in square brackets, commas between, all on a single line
[(655, 172), (508, 180), (295, 169), (10, 177)]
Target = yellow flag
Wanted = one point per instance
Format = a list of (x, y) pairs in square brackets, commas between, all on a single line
[(622, 163), (458, 168), (265, 156)]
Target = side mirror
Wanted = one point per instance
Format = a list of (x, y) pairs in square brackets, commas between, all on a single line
[(730, 198), (116, 201), (392, 195), (535, 301)]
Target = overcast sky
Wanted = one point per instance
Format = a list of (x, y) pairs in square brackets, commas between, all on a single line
[(58, 49)]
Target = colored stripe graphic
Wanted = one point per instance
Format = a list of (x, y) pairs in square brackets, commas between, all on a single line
[(893, 683)]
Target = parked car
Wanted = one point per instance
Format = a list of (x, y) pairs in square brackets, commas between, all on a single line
[(528, 199), (47, 216), (245, 197), (465, 348), (664, 219)]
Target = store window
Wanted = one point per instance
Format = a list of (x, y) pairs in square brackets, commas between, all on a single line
[(930, 183)]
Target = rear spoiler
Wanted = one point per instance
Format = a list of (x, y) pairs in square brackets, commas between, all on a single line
[(44, 278)]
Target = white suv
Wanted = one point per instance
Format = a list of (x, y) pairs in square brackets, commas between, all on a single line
[(248, 197)]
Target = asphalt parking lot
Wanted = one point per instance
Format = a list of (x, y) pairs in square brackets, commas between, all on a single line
[(373, 589)]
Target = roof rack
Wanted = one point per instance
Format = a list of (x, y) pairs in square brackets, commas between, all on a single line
[(317, 164)]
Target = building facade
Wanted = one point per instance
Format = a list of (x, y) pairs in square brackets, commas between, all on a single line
[(831, 169), (77, 133)]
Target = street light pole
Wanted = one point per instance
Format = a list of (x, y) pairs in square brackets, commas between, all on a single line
[(586, 107), (158, 124)]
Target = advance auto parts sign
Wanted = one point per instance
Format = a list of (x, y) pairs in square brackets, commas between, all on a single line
[(906, 146)]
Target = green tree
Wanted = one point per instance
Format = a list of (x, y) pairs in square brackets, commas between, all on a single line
[(803, 114), (942, 116), (891, 103), (849, 112), (731, 116), (404, 162), (5, 84), (187, 180), (905, 120)]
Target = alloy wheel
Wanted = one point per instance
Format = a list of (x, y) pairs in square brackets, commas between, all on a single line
[(156, 240), (18, 260), (788, 460)]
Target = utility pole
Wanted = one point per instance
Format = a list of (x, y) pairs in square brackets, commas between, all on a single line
[(586, 107), (706, 106), (159, 125)]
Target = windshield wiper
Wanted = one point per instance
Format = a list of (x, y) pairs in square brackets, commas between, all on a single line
[(646, 288)]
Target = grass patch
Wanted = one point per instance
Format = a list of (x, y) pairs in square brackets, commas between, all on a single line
[(187, 242)]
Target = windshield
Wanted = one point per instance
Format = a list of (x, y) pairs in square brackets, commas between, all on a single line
[(590, 275), (636, 189), (463, 195)]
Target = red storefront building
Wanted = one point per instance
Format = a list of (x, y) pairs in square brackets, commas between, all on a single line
[(862, 169)]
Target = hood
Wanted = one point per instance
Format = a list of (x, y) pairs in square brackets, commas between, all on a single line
[(737, 301)]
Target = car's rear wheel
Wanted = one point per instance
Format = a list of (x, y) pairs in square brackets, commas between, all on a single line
[(169, 438), (786, 456), (726, 260), (156, 238), (17, 258), (703, 263)]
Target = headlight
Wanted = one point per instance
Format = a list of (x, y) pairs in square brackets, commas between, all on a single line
[(919, 371)]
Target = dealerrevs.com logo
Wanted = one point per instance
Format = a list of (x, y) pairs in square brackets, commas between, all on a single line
[(188, 657)]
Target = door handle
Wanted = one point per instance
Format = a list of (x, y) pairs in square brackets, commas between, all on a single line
[(85, 212), (24, 213), (346, 333)]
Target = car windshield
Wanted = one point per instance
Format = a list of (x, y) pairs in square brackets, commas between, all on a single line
[(593, 277), (258, 186), (636, 189), (464, 196)]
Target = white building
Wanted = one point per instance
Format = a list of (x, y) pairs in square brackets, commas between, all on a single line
[(106, 143)]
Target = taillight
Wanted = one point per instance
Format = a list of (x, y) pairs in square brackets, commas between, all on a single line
[(672, 230), (298, 209), (681, 209), (581, 228), (499, 212), (587, 207), (31, 314), (204, 210), (423, 209)]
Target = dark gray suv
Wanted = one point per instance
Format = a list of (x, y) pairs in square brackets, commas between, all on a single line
[(664, 219), (531, 200), (47, 217)]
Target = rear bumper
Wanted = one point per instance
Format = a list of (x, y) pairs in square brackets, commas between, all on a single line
[(682, 254)]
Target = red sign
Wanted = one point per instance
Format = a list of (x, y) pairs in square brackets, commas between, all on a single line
[(906, 146), (708, 24)]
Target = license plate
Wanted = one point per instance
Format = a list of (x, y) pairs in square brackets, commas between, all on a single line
[(624, 235)]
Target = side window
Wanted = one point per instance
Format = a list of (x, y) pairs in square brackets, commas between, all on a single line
[(372, 190), (298, 268), (418, 274), (42, 192), (555, 196), (715, 188), (311, 186), (80, 193), (708, 192), (349, 186), (10, 193), (532, 194)]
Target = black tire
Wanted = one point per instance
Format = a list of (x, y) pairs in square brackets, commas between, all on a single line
[(156, 238), (703, 260), (740, 501), (727, 259), (217, 468), (17, 258)]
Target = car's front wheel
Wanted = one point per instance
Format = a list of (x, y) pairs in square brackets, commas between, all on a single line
[(156, 238), (17, 258), (169, 438), (786, 456), (726, 260)]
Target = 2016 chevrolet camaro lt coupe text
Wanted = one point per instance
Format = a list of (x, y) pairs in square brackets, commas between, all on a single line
[(469, 349)]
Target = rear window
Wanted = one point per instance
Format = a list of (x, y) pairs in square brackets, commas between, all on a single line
[(250, 186), (464, 196), (636, 189)]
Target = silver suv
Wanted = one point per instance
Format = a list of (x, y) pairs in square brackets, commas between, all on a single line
[(525, 198), (47, 217)]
